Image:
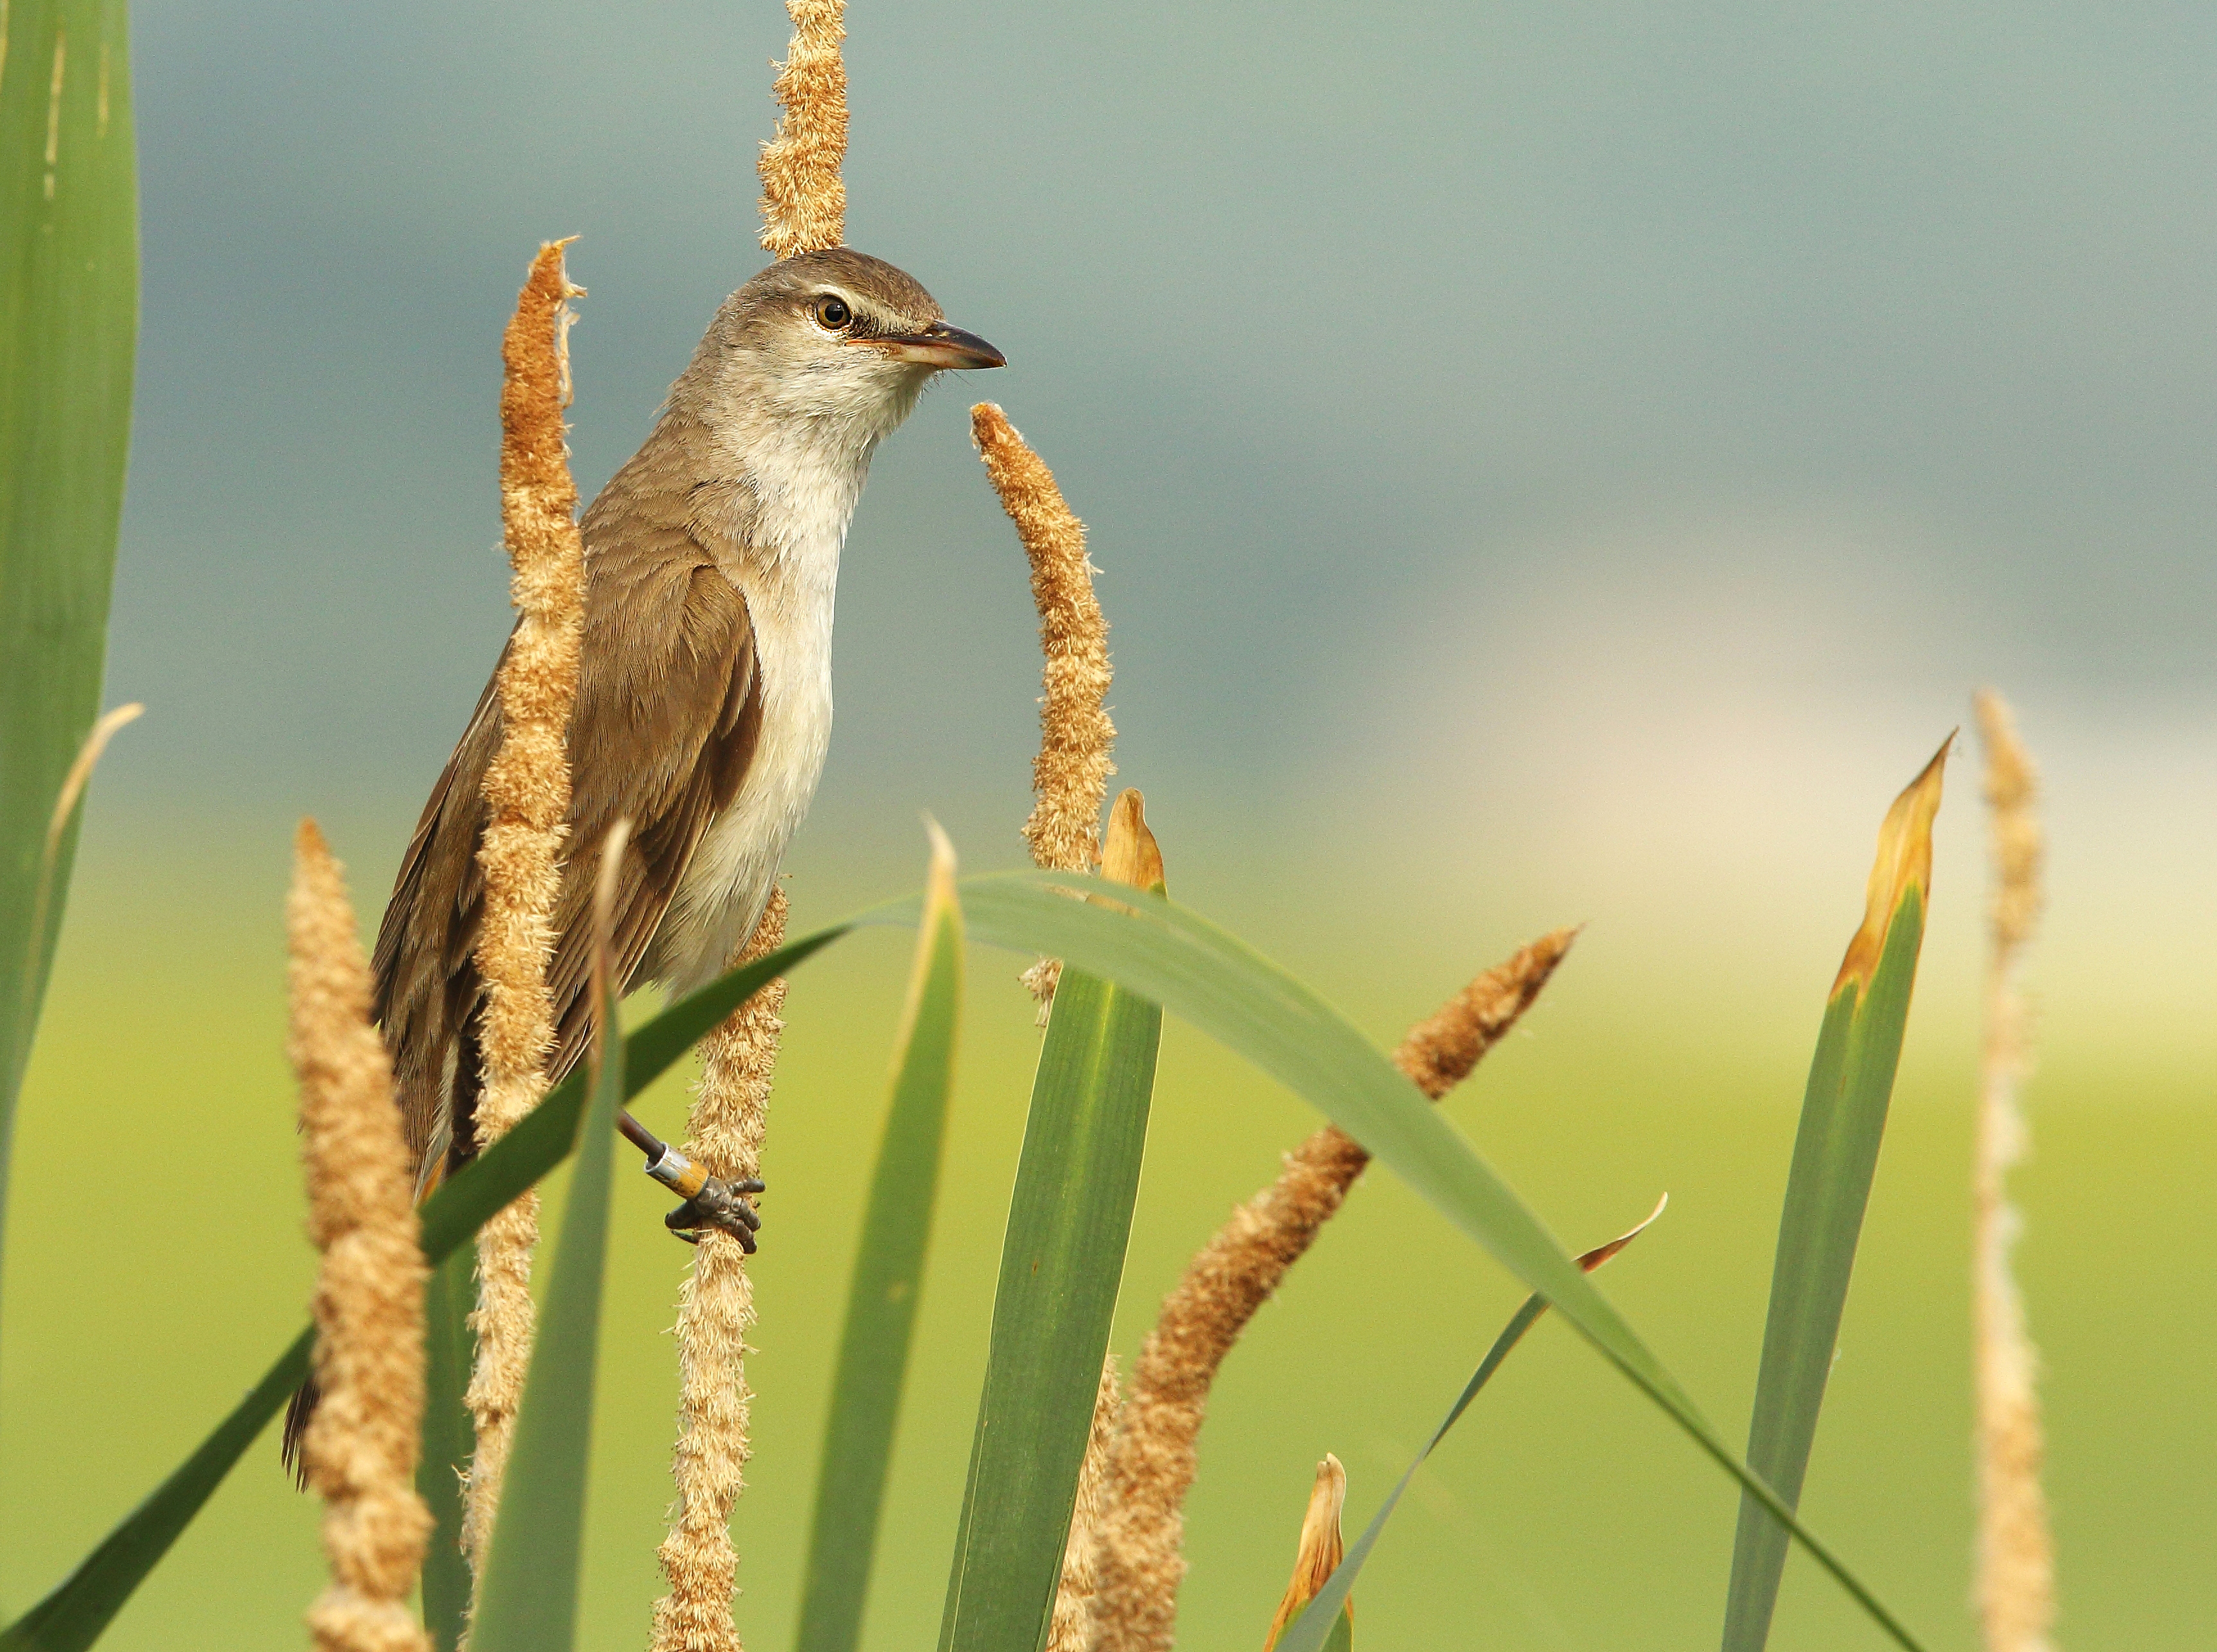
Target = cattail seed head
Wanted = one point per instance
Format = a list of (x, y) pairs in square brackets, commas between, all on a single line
[(359, 1452), (716, 1310), (804, 200), (527, 793), (2015, 1588)]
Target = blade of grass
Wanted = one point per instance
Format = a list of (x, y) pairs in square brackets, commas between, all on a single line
[(69, 323), (888, 1282), (1835, 1157), (527, 1601), (448, 1439), (1062, 1258), (1323, 1622), (74, 1614), (1165, 952)]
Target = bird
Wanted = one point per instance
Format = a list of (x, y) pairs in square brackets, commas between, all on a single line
[(703, 711)]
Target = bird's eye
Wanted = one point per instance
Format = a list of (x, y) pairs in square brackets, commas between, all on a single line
[(832, 313)]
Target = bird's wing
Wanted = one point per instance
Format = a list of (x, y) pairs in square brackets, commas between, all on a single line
[(664, 727), (666, 723)]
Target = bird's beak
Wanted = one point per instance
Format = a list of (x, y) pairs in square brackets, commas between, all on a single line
[(938, 346)]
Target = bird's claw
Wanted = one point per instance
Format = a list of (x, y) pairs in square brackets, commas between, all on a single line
[(718, 1207)]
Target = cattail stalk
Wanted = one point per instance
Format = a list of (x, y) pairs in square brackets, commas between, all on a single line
[(1138, 1554), (2015, 1585), (359, 1451), (804, 201), (714, 1312), (527, 792)]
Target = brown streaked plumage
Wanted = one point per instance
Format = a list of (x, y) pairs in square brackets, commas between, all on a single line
[(703, 701)]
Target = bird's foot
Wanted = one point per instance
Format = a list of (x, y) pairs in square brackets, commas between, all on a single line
[(718, 1206), (711, 1203)]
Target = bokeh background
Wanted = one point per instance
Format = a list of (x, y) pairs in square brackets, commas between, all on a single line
[(1547, 462)]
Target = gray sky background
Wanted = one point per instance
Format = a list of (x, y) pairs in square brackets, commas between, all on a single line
[(1517, 415)]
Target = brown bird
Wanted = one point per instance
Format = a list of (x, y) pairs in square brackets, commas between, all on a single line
[(704, 698)]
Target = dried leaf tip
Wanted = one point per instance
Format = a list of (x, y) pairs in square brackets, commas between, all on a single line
[(1070, 778), (804, 200), (1904, 861), (80, 772), (1593, 1258), (359, 1452), (1321, 1549), (1130, 854), (65, 802)]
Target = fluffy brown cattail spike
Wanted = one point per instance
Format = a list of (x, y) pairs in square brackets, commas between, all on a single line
[(359, 1451), (1070, 777), (1439, 1052), (803, 202), (2015, 1587), (1321, 1549), (1070, 1628), (1139, 1558), (526, 792), (716, 1310)]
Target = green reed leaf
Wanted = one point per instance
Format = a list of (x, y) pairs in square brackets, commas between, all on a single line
[(1835, 1158), (528, 1598), (888, 1284), (1061, 1261), (1062, 1258), (449, 1439), (69, 325)]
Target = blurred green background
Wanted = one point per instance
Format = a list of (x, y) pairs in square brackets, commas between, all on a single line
[(1548, 463)]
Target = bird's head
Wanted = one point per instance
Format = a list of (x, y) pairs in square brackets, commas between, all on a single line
[(837, 340)]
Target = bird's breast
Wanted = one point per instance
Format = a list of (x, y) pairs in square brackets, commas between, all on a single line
[(720, 899)]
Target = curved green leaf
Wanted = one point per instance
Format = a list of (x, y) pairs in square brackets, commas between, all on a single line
[(1835, 1160), (887, 1287), (1062, 1259), (69, 325), (449, 1439)]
